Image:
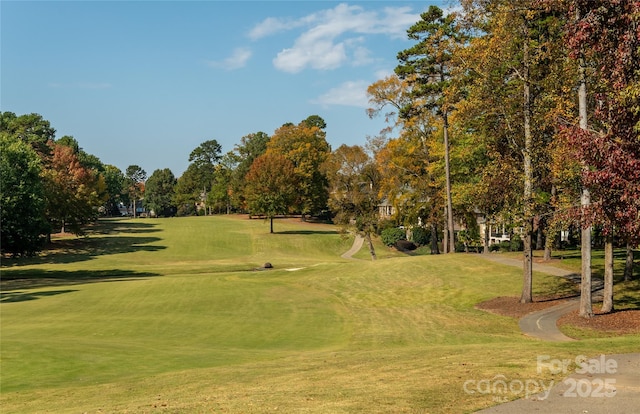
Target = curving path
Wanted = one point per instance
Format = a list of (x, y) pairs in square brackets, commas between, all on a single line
[(615, 391), (543, 324), (355, 248)]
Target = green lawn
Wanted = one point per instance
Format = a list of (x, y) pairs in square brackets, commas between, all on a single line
[(171, 315)]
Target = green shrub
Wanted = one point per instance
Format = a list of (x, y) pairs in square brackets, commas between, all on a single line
[(516, 244), (384, 225), (503, 246), (421, 236), (391, 235)]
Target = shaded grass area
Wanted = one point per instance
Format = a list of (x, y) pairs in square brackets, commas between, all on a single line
[(105, 237), (571, 260), (191, 327), (39, 278)]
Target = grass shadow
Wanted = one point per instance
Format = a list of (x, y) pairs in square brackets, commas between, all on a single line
[(17, 280), (117, 226), (106, 236), (555, 288), (307, 232), (627, 294), (19, 296), (82, 249)]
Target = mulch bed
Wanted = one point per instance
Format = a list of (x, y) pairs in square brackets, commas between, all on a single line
[(511, 306), (620, 322)]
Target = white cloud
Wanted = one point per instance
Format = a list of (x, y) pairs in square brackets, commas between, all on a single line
[(321, 55), (334, 36), (237, 60), (351, 93), (397, 20), (273, 25), (361, 56), (268, 26)]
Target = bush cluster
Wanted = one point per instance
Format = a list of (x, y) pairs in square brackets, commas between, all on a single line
[(390, 236), (421, 236), (515, 245)]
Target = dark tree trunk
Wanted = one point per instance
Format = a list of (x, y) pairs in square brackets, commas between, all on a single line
[(527, 268), (372, 249), (445, 233), (628, 264), (450, 226), (434, 239)]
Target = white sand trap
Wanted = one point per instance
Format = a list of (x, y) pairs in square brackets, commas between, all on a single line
[(293, 269)]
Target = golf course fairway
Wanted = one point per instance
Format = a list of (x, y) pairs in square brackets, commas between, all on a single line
[(177, 315)]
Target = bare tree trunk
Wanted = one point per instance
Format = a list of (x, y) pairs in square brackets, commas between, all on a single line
[(527, 268), (527, 271), (445, 233), (540, 235), (372, 249), (547, 247), (607, 300), (550, 235), (447, 170), (271, 224), (486, 236), (628, 264), (586, 309)]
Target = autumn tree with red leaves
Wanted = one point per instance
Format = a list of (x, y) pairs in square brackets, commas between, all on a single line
[(74, 192), (606, 35)]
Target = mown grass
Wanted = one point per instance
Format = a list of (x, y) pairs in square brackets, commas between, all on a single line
[(173, 316)]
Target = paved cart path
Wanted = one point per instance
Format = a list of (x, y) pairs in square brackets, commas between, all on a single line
[(613, 391), (543, 324), (609, 391), (355, 248)]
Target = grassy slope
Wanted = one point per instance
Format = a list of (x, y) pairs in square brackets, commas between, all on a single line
[(170, 315)]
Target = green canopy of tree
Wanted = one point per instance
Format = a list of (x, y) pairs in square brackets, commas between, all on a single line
[(32, 129), (159, 191), (115, 182), (135, 178), (251, 146), (427, 66), (22, 198)]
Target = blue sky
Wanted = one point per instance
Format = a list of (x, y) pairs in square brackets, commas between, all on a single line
[(146, 82)]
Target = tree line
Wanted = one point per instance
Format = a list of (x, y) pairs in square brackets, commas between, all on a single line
[(520, 113), (523, 112)]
